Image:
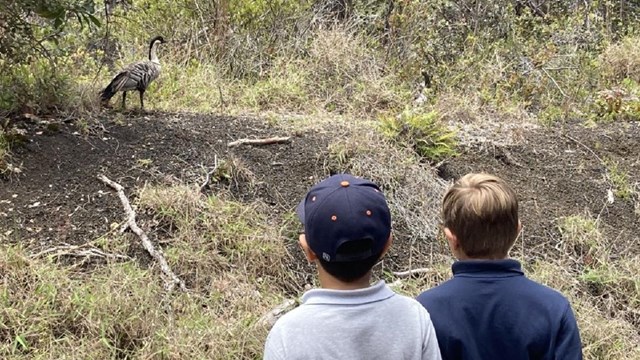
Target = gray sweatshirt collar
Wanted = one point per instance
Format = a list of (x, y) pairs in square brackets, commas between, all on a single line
[(376, 292)]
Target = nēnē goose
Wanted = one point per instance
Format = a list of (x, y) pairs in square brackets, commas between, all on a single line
[(136, 76)]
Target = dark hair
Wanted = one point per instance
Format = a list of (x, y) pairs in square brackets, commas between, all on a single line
[(349, 271)]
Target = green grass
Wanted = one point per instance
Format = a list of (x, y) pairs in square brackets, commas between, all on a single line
[(622, 186), (425, 133), (581, 230)]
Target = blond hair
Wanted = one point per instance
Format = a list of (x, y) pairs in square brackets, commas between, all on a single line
[(482, 211)]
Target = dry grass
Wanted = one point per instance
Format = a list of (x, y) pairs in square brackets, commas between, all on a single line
[(604, 290), (411, 187), (606, 333), (232, 262), (622, 60), (338, 74)]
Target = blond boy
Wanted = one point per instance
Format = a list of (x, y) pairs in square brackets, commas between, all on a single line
[(489, 309)]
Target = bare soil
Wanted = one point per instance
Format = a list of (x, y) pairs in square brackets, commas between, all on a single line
[(563, 172), (57, 198)]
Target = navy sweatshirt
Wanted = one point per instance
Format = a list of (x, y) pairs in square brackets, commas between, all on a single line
[(490, 310)]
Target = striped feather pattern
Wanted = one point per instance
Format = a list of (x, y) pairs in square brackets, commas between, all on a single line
[(137, 76)]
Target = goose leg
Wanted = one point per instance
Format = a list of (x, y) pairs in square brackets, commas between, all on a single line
[(141, 101), (124, 96)]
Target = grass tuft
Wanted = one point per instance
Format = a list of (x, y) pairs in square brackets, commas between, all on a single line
[(425, 133)]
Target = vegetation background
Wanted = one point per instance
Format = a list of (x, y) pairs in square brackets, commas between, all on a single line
[(357, 63)]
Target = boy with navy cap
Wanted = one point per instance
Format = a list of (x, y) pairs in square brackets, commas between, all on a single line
[(489, 309), (347, 229)]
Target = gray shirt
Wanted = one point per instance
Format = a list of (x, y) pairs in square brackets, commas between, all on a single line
[(371, 323)]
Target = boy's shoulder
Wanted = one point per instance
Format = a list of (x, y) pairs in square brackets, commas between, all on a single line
[(521, 287), (321, 301)]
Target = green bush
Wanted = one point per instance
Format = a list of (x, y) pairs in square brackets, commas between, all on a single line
[(618, 103), (425, 133), (37, 86)]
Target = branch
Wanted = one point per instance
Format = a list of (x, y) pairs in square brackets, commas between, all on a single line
[(534, 8), (76, 250), (131, 224), (273, 140), (208, 178), (408, 273), (586, 147), (554, 82)]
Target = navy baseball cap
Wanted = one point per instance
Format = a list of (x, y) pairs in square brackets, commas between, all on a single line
[(344, 208)]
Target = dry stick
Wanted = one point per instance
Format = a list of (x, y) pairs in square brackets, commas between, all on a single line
[(131, 224), (71, 250), (223, 105), (554, 82), (586, 147), (411, 272), (273, 140), (208, 178)]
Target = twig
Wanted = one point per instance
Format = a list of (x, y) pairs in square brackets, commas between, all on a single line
[(131, 224), (223, 105), (70, 250), (561, 68), (273, 140), (408, 273), (586, 147), (208, 178), (554, 82)]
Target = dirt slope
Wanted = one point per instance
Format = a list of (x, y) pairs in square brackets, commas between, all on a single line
[(58, 199)]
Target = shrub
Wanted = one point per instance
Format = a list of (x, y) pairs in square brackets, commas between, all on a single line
[(619, 103), (622, 60), (37, 86), (425, 133)]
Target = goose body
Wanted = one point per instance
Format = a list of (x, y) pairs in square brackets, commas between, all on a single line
[(137, 76)]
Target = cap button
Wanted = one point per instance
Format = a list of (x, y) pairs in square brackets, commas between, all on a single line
[(344, 183)]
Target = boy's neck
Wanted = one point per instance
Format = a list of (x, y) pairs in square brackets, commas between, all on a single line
[(465, 257), (327, 281)]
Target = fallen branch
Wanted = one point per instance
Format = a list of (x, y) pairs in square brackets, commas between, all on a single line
[(77, 250), (268, 141), (131, 224), (208, 178), (408, 273), (270, 318)]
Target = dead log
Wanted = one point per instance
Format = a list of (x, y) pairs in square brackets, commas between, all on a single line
[(268, 141), (131, 224)]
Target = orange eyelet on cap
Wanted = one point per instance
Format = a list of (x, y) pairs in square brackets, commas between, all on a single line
[(334, 218), (344, 183), (368, 212)]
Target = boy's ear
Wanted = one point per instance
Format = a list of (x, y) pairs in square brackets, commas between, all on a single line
[(452, 239), (308, 253), (387, 245)]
